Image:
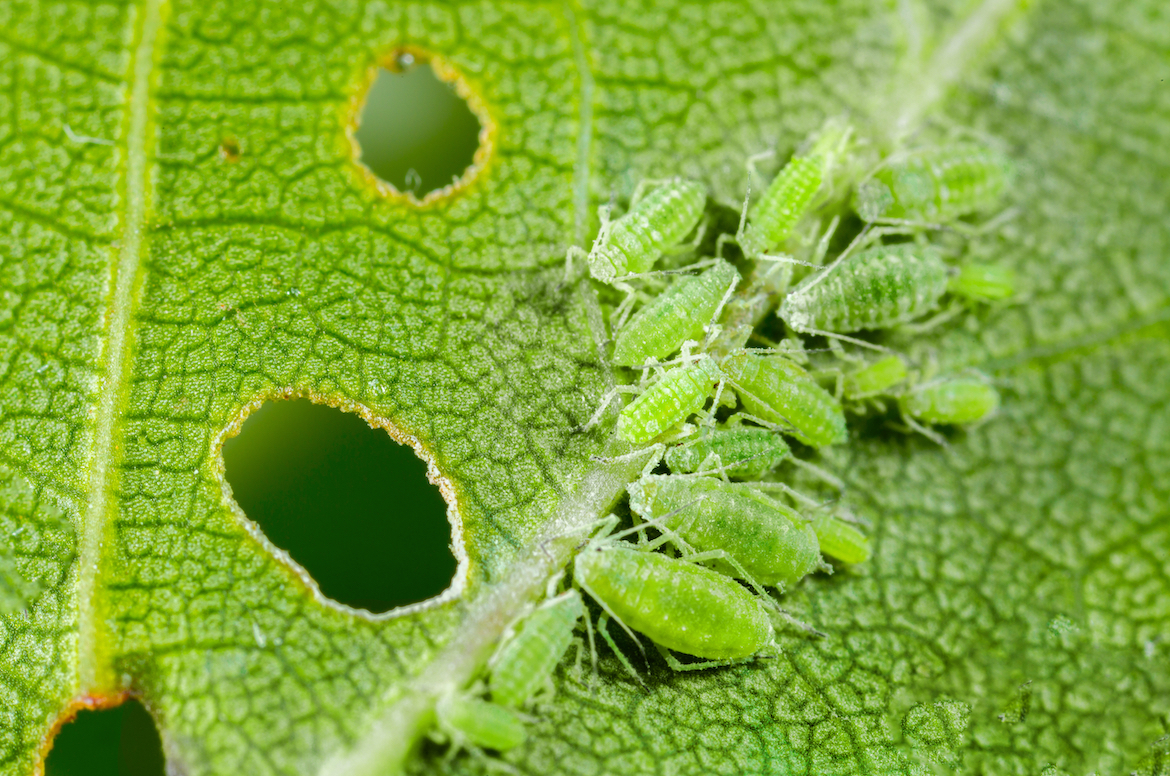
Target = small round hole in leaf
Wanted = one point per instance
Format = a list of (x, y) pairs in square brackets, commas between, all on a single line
[(414, 132), (117, 741), (346, 501)]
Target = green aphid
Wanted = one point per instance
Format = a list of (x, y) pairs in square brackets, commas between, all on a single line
[(667, 403), (654, 225), (523, 664), (840, 539), (677, 604), (876, 378), (935, 185), (765, 540), (678, 314), (786, 200), (873, 289), (956, 401), (470, 721), (741, 452), (780, 392), (983, 283)]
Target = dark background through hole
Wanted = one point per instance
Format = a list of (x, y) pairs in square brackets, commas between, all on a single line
[(121, 741), (346, 501)]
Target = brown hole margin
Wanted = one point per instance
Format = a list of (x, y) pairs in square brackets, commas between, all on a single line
[(446, 487), (68, 714), (229, 149), (397, 60)]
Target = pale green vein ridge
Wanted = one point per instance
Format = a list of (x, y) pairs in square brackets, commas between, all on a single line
[(581, 170), (116, 360)]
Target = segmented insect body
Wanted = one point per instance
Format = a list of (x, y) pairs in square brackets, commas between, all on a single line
[(679, 605), (744, 452), (526, 661), (872, 289), (876, 378), (771, 542), (937, 184), (675, 316), (955, 400), (778, 391), (665, 404), (653, 224), (468, 720), (841, 540), (983, 283)]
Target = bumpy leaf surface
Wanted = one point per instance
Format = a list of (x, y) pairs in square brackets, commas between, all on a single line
[(1015, 617)]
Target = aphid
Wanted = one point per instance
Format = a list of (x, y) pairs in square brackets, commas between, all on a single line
[(787, 198), (654, 224), (873, 289), (983, 282), (678, 314), (936, 184), (470, 721), (679, 393), (523, 664), (743, 452), (677, 604), (778, 391), (764, 540), (876, 378), (839, 539), (956, 401)]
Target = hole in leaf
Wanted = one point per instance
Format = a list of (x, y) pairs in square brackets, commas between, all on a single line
[(118, 741), (229, 149), (415, 132), (345, 501)]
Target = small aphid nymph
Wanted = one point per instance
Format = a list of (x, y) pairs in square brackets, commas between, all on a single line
[(983, 283), (665, 404), (840, 539), (956, 401), (876, 378), (780, 392), (471, 722), (743, 452), (523, 664)]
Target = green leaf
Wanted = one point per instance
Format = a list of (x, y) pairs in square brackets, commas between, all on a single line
[(151, 290)]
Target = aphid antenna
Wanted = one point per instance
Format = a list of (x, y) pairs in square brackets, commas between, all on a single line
[(743, 211), (783, 259), (712, 328), (857, 241), (689, 269), (787, 619), (657, 522), (795, 494), (610, 395), (819, 473), (822, 248), (845, 338)]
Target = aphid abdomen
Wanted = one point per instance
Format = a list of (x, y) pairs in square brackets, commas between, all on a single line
[(480, 723), (675, 316), (876, 378), (677, 395), (957, 401), (783, 204), (526, 661), (679, 605), (937, 184), (873, 289), (779, 391), (746, 452), (841, 540), (773, 543)]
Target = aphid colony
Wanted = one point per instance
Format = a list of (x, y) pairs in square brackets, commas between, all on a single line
[(711, 535)]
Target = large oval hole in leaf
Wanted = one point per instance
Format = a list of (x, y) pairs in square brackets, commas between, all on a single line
[(345, 501), (118, 741), (415, 132)]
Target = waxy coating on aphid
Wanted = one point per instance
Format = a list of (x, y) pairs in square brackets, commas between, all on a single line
[(524, 663), (876, 378), (772, 542), (678, 605), (657, 222), (778, 391), (677, 314), (665, 404), (955, 400), (469, 720), (873, 289), (745, 452), (838, 539), (936, 184), (983, 283)]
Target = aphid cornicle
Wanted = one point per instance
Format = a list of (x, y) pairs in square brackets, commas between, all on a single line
[(467, 720), (872, 289), (678, 314), (653, 225), (955, 400), (665, 404), (840, 540), (778, 391), (524, 663), (678, 605), (743, 452), (876, 378), (935, 184), (770, 542)]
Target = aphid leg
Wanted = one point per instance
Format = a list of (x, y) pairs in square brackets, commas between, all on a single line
[(933, 436), (933, 321), (658, 449), (603, 629), (712, 327), (676, 665), (622, 313), (795, 494), (610, 395), (726, 557), (788, 619), (818, 472), (829, 335), (574, 252), (592, 649)]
